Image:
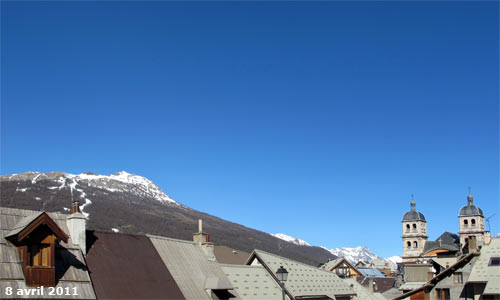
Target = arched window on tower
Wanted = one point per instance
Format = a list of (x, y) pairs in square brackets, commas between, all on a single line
[(407, 227), (466, 223), (473, 222), (414, 227), (415, 244), (408, 244)]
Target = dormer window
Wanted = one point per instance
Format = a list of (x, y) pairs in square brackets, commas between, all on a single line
[(40, 255), (36, 237)]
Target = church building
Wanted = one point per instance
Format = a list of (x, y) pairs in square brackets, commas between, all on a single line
[(414, 227)]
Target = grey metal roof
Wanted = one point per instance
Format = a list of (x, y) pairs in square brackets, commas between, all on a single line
[(445, 262), (371, 272), (23, 223), (330, 265), (362, 293), (411, 285), (252, 282), (10, 218), (71, 268), (482, 272), (190, 266), (304, 280)]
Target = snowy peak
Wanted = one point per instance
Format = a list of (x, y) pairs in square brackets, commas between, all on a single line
[(291, 239), (121, 182), (357, 254), (125, 182)]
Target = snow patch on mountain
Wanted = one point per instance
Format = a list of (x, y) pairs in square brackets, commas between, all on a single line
[(121, 182), (291, 239)]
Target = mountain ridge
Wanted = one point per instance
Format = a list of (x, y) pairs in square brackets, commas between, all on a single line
[(130, 204)]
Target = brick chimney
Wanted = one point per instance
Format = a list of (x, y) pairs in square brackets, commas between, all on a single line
[(76, 223), (203, 239)]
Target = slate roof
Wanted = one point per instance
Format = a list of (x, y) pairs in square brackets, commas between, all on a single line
[(371, 272), (303, 280), (127, 266), (252, 282), (449, 241), (413, 215), (483, 272), (71, 270), (192, 270), (470, 209)]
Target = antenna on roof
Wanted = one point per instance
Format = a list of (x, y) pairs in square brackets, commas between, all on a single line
[(488, 220)]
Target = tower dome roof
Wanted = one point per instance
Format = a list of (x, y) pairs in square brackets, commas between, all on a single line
[(470, 209), (413, 214)]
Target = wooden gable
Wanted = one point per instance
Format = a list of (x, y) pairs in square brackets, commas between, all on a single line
[(43, 219)]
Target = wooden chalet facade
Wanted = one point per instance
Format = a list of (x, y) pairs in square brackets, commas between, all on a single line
[(36, 239)]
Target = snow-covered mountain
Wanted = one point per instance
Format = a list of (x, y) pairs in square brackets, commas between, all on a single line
[(121, 182), (353, 255), (291, 239), (128, 203), (356, 254)]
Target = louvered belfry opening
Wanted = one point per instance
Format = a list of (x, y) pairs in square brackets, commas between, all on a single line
[(36, 238)]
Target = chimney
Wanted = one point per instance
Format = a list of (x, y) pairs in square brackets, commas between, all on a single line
[(487, 238), (203, 239), (76, 223), (472, 244), (75, 208)]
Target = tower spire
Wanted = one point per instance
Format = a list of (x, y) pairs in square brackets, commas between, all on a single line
[(412, 203), (470, 199)]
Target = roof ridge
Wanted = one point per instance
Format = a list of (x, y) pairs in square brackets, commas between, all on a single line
[(168, 238), (298, 262)]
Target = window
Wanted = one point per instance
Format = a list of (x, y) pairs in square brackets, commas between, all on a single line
[(343, 271), (458, 278), (408, 244), (407, 227), (415, 244), (414, 227), (442, 294), (473, 222), (40, 255), (494, 261), (466, 223)]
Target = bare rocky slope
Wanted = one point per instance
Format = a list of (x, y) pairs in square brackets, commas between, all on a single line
[(133, 204)]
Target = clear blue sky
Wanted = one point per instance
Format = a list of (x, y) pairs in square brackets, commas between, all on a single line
[(315, 119)]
